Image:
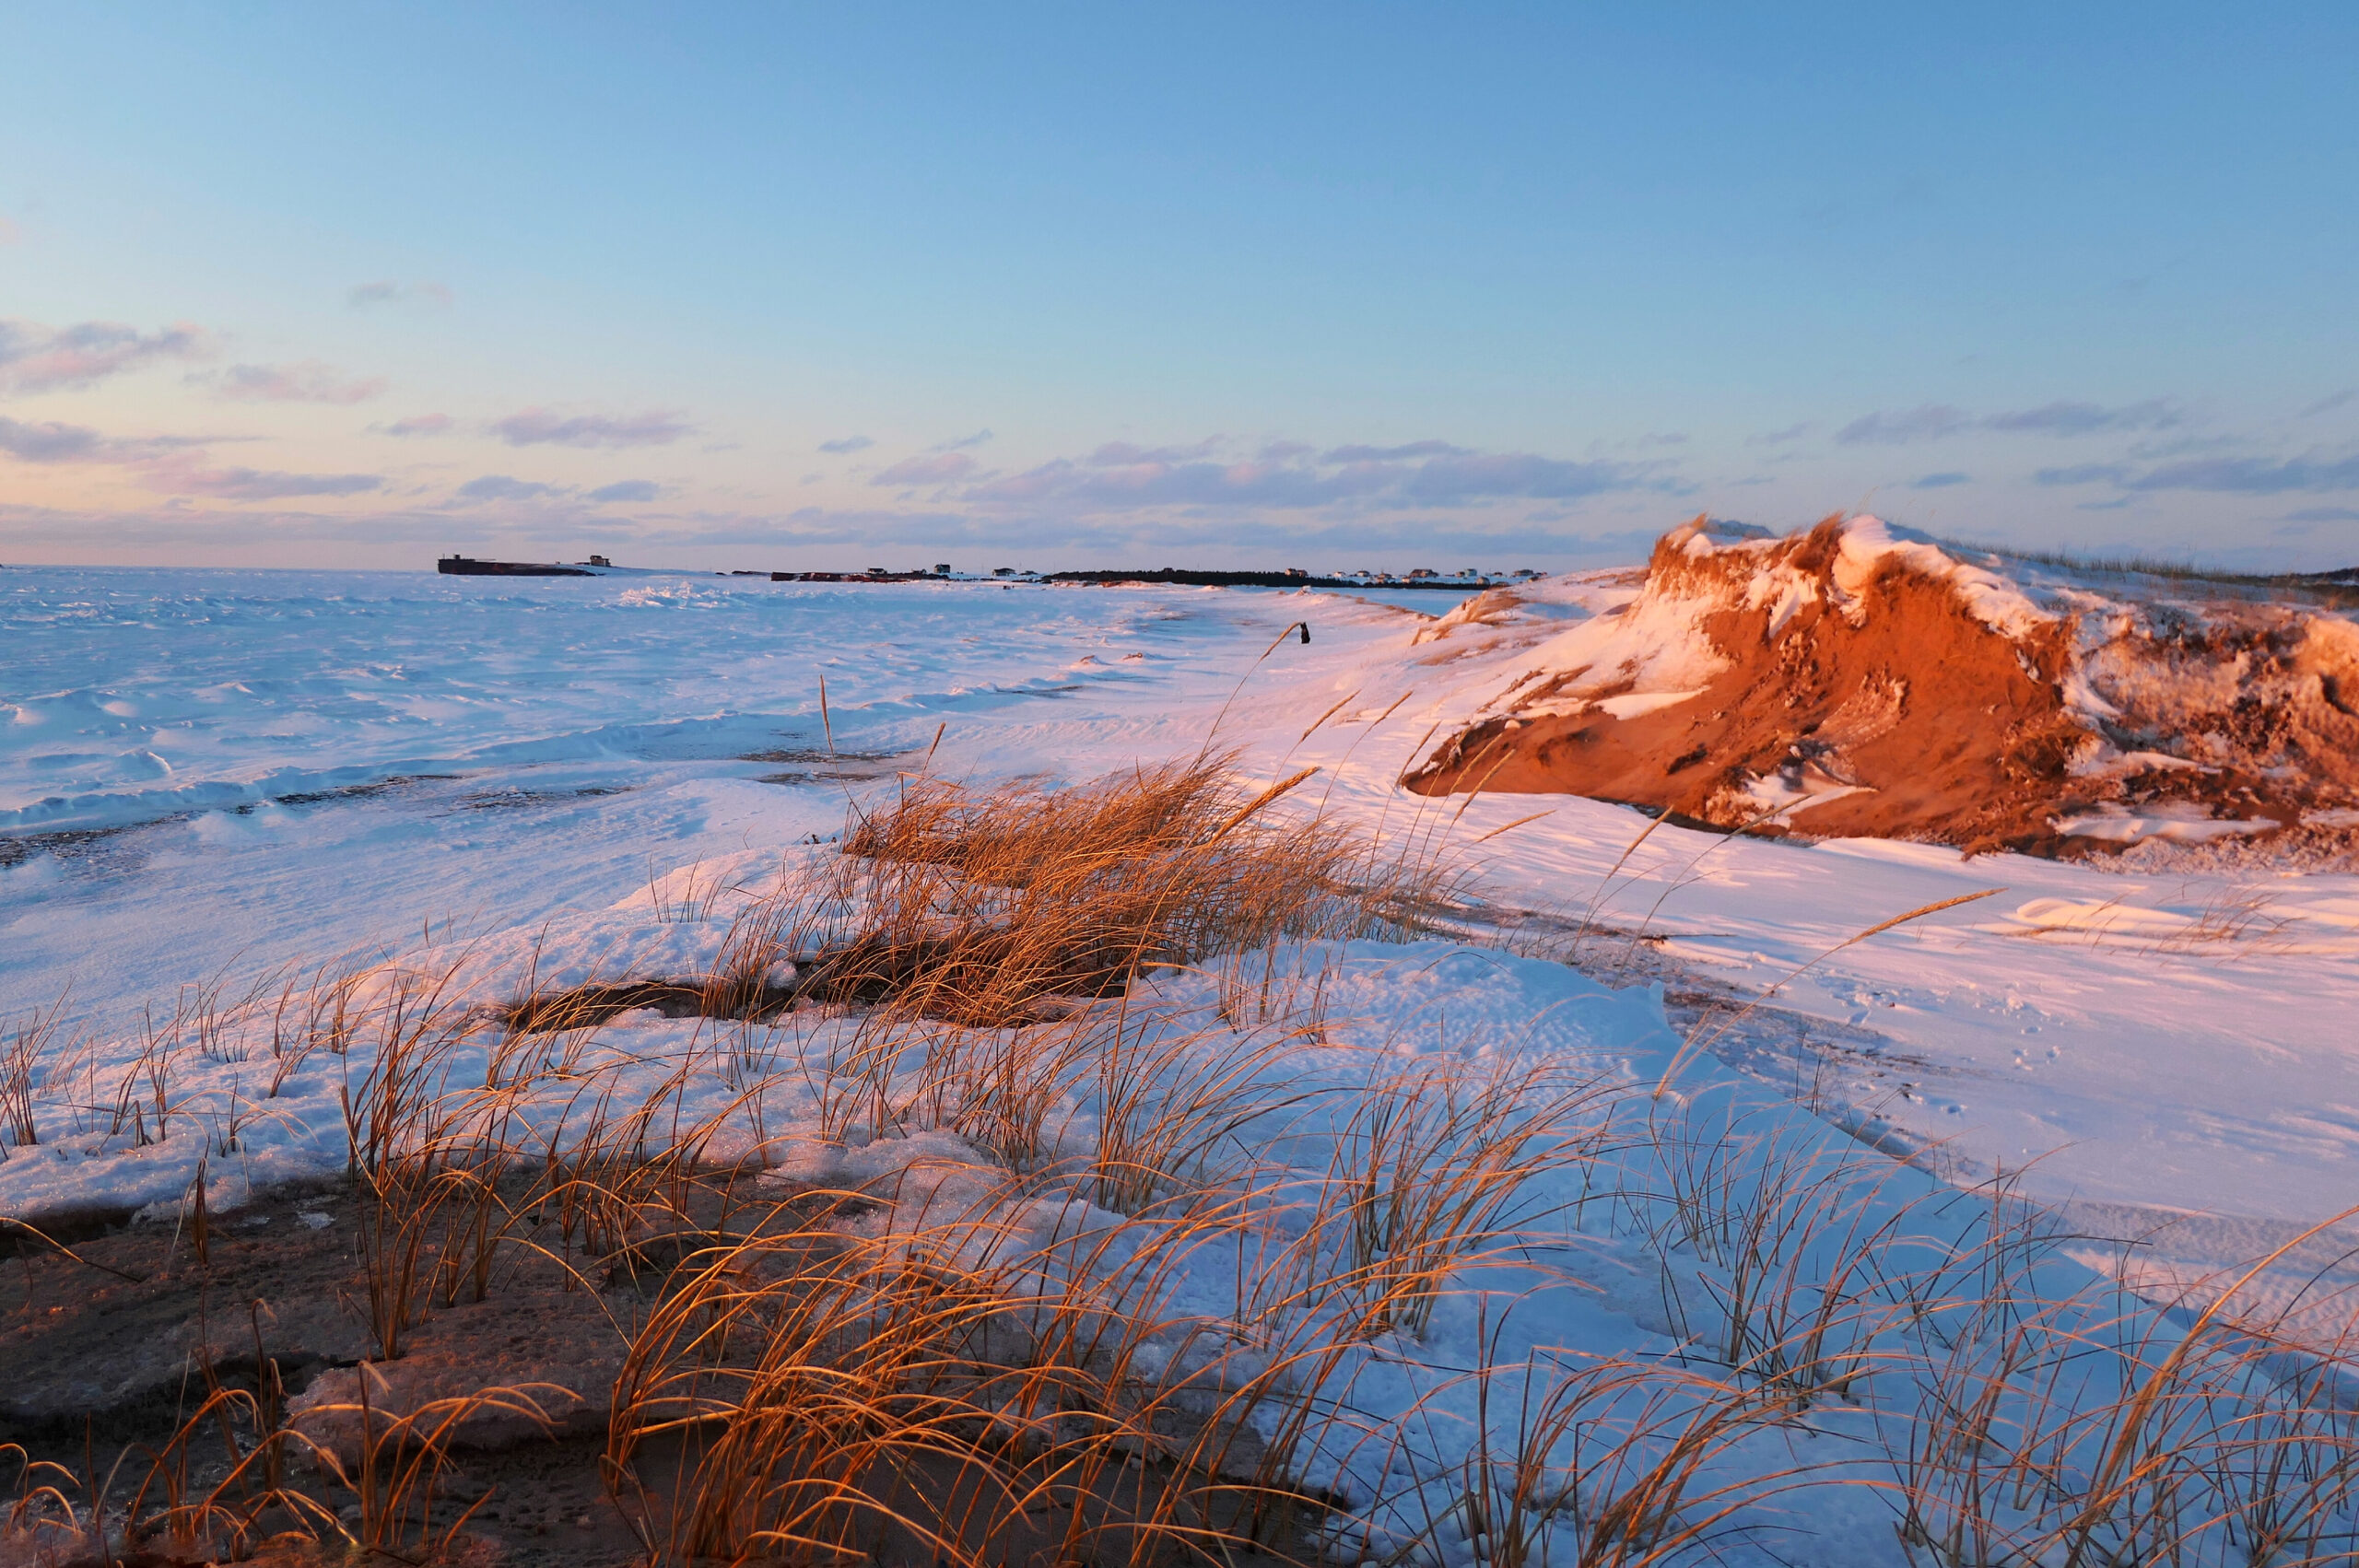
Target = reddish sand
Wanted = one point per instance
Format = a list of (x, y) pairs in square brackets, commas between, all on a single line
[(1942, 727)]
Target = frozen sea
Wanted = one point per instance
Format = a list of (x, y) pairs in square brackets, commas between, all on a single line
[(132, 695), (196, 765)]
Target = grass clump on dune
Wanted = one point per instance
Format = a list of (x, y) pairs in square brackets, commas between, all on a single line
[(974, 905)]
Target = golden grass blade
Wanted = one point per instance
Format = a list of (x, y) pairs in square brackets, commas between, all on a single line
[(1237, 818), (1326, 716), (1517, 823)]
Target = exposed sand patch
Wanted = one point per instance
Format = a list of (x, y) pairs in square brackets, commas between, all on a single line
[(1845, 681)]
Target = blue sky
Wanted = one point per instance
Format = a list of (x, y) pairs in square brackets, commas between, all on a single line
[(1061, 285)]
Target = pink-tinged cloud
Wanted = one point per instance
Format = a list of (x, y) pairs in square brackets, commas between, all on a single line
[(187, 476), (539, 427), (939, 469), (9, 232), (309, 381), (37, 359), (418, 424)]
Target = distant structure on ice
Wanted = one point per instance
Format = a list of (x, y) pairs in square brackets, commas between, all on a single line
[(467, 566)]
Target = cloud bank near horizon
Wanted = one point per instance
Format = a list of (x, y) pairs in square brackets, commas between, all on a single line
[(1217, 497)]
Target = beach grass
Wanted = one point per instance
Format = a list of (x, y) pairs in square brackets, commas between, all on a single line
[(1005, 1349)]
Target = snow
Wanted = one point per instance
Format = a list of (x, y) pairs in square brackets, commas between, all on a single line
[(1630, 704), (1632, 646), (2182, 821), (208, 779), (1995, 601)]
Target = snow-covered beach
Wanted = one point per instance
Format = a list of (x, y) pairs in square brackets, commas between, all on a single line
[(207, 775), (213, 781)]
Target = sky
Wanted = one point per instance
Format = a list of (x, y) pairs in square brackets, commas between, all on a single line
[(1370, 285)]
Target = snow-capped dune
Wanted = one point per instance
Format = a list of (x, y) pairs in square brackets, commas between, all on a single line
[(1853, 681)]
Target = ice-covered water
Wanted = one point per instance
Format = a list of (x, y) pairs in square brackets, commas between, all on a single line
[(126, 695), (200, 770)]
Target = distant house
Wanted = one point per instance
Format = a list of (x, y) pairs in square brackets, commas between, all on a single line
[(1422, 572), (942, 568)]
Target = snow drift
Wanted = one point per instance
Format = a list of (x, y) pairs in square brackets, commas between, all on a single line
[(1852, 681)]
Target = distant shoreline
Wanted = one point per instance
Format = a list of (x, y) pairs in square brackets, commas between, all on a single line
[(598, 566)]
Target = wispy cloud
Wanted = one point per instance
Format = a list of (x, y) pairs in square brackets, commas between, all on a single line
[(503, 487), (500, 487), (385, 291), (963, 442), (540, 426), (1120, 476), (628, 490), (939, 469), (48, 443), (2328, 403), (1780, 438), (1932, 421), (307, 382), (2253, 475), (2083, 473), (37, 359), (1124, 454), (2068, 418), (844, 446), (1939, 481), (1460, 478), (51, 441), (2227, 475), (416, 424), (188, 477), (1390, 454), (9, 232), (1894, 426)]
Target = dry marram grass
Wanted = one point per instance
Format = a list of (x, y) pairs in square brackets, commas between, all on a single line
[(1011, 1355)]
